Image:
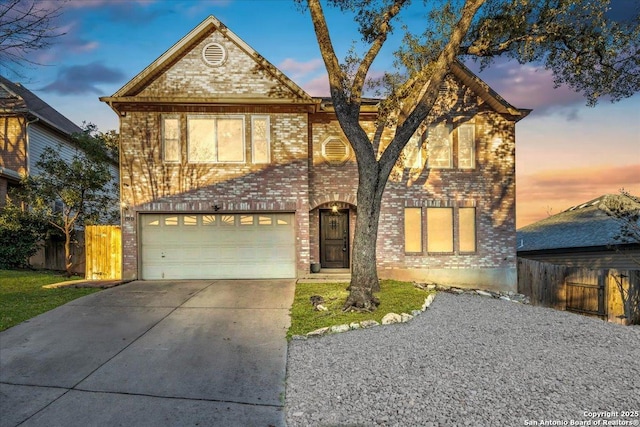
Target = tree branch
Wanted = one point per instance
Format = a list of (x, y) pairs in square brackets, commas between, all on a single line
[(427, 99), (336, 75), (382, 32)]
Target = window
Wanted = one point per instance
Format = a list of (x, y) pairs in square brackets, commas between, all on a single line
[(413, 152), (171, 220), (171, 139), (439, 147), (413, 229), (282, 221), (228, 220), (260, 139), (467, 229), (439, 229), (215, 139), (466, 146), (190, 220), (265, 220), (246, 219), (208, 220)]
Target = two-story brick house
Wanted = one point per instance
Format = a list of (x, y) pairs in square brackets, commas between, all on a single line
[(230, 170)]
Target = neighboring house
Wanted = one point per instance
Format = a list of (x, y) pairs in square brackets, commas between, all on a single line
[(28, 126), (230, 170), (581, 236)]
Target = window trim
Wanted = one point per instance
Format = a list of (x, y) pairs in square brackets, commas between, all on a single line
[(217, 117), (268, 139), (164, 139)]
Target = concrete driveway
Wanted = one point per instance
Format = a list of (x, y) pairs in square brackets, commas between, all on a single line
[(161, 353)]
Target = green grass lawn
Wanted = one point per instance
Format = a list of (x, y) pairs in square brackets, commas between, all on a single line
[(22, 296), (395, 297)]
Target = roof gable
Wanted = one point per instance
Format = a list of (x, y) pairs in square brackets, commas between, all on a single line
[(17, 99), (181, 74), (488, 95)]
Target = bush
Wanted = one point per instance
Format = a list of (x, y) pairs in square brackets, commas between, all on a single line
[(20, 234)]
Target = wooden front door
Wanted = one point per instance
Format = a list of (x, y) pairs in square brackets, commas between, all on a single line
[(334, 239)]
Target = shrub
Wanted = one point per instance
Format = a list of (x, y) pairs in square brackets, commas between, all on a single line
[(20, 234)]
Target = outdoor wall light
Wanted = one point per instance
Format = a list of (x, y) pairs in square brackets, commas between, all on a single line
[(334, 208)]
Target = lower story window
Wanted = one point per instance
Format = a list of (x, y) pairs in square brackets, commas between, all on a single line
[(467, 229), (413, 229), (442, 228), (439, 229)]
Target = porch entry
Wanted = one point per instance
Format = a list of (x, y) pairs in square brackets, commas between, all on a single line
[(334, 238)]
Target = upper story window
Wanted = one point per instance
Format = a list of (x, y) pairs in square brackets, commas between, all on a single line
[(260, 139), (466, 146), (215, 139), (171, 139), (439, 147), (412, 152)]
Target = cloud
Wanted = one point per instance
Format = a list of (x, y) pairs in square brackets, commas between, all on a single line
[(318, 86), (81, 79), (588, 177), (300, 70), (531, 86)]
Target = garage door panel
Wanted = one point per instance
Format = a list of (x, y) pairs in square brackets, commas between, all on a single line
[(205, 246)]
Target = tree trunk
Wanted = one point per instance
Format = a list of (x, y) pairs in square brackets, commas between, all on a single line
[(364, 274), (67, 252)]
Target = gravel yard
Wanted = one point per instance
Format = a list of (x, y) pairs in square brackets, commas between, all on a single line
[(469, 360)]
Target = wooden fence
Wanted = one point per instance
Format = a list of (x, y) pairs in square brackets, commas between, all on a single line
[(50, 255), (103, 250), (613, 295)]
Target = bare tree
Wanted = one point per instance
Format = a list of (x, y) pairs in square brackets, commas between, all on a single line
[(26, 26), (574, 38)]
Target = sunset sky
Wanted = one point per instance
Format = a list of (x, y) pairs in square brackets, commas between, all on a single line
[(567, 153)]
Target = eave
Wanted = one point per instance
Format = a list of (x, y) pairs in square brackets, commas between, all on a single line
[(125, 103), (491, 97)]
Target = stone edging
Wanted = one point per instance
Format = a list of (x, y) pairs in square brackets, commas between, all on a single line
[(391, 318)]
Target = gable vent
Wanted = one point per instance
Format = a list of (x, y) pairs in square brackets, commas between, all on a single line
[(335, 151), (214, 54)]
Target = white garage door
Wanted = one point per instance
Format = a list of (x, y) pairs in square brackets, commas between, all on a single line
[(217, 246)]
